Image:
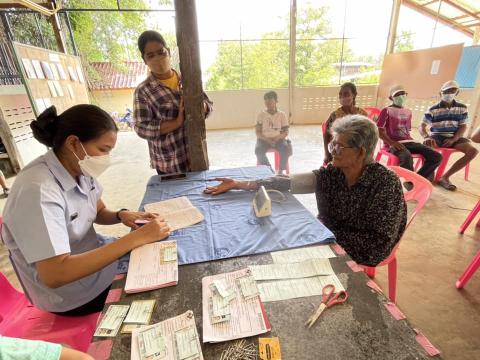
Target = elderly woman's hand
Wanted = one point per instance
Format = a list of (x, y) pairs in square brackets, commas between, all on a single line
[(225, 185)]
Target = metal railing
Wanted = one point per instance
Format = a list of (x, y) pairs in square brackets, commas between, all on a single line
[(8, 71)]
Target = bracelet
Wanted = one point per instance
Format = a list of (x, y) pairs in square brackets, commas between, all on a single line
[(117, 214)]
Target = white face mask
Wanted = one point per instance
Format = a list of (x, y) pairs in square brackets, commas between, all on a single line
[(448, 97), (93, 166)]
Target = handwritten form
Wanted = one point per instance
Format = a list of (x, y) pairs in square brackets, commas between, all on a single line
[(140, 312), (172, 339), (152, 266), (301, 254), (296, 288), (246, 316), (178, 212), (112, 320), (304, 269)]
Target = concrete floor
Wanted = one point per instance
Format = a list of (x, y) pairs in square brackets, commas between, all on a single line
[(431, 258)]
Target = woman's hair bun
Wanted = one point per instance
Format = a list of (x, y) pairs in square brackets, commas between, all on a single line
[(45, 127)]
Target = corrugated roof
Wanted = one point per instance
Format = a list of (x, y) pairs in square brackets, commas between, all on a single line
[(127, 76), (462, 15)]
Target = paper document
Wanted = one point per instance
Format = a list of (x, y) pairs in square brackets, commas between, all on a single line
[(186, 340), (148, 269), (140, 312), (246, 317), (172, 339), (292, 289), (301, 254), (178, 212), (112, 320), (307, 268)]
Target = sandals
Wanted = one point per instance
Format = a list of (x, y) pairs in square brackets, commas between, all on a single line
[(447, 185)]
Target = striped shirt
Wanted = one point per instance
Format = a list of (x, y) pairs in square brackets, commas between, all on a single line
[(446, 121), (154, 105)]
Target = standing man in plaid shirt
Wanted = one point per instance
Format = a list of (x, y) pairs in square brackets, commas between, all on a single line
[(158, 108)]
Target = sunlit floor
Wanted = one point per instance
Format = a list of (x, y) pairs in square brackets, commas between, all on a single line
[(431, 258)]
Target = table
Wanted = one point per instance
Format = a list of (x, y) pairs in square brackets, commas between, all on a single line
[(360, 329)]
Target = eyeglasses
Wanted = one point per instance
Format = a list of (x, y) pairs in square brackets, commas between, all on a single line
[(337, 147)]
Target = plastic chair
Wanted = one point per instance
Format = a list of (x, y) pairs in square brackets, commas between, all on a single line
[(20, 319), (446, 152), (420, 193), (470, 218), (277, 161), (393, 160), (372, 112), (472, 267)]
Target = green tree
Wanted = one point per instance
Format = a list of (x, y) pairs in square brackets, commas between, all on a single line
[(404, 41), (264, 64), (32, 29)]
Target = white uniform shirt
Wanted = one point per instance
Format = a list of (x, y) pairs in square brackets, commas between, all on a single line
[(48, 214), (272, 124)]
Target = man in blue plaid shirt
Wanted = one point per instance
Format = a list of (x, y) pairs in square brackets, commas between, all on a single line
[(158, 108)]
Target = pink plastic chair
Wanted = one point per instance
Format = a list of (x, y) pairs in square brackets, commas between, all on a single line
[(446, 152), (277, 161), (473, 266), (420, 193), (470, 218), (20, 319), (393, 160), (468, 272)]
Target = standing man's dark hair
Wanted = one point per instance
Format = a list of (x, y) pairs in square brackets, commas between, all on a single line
[(270, 95), (149, 35)]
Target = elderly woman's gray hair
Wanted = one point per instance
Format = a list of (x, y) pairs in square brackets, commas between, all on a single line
[(360, 132)]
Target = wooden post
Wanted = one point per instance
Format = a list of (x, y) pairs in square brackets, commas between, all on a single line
[(476, 36), (189, 53), (392, 33), (57, 30), (292, 60)]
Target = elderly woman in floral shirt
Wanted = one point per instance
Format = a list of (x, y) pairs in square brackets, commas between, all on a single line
[(359, 200)]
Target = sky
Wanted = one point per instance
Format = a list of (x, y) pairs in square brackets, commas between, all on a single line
[(366, 23)]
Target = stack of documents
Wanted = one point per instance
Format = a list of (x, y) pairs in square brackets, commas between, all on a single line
[(112, 320), (172, 339), (152, 266), (296, 273), (178, 212), (139, 314), (231, 307)]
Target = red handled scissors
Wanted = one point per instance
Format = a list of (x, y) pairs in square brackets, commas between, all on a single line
[(329, 298)]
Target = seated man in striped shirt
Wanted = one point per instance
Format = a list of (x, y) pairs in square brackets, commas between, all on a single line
[(448, 122)]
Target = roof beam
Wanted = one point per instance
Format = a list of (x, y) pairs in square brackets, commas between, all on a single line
[(441, 18), (461, 8)]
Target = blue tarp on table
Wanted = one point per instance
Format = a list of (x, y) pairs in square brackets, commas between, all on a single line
[(230, 227)]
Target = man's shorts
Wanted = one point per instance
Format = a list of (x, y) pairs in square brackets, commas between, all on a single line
[(439, 139)]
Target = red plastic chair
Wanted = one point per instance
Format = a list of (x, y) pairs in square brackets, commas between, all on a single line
[(462, 281), (420, 193), (277, 161), (372, 112), (470, 218), (446, 152), (20, 319)]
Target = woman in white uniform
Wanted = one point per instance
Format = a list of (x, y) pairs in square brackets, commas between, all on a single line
[(48, 219)]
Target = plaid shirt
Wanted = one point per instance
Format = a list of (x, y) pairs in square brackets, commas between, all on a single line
[(155, 104)]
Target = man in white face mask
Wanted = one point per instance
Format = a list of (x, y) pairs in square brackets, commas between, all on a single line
[(394, 125), (444, 125), (158, 107)]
